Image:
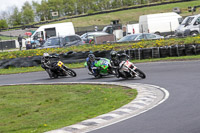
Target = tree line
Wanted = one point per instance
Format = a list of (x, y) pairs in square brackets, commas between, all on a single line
[(41, 11)]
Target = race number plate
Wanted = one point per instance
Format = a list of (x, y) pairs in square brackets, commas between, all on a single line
[(60, 64)]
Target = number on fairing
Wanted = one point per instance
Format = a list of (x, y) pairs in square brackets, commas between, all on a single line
[(59, 63), (104, 62)]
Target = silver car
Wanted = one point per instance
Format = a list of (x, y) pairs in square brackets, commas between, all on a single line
[(91, 35), (140, 36), (73, 40), (66, 41), (53, 42)]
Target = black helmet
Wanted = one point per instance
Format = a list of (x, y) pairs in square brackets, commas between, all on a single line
[(113, 54), (91, 57)]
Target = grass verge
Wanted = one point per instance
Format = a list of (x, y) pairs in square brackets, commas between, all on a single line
[(39, 108), (81, 65), (131, 15)]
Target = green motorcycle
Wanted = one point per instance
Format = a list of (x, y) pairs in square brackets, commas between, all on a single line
[(102, 67)]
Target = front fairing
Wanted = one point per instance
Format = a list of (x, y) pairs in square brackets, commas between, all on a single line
[(103, 64)]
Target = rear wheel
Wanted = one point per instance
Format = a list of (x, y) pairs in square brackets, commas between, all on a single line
[(140, 73), (157, 33)]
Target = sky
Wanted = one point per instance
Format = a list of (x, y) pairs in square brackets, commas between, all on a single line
[(7, 4)]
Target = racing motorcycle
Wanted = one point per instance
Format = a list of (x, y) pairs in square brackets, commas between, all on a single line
[(102, 67), (129, 70), (59, 69)]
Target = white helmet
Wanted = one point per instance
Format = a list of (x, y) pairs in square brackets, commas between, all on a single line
[(45, 55)]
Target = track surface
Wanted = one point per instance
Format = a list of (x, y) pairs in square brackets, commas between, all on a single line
[(179, 114)]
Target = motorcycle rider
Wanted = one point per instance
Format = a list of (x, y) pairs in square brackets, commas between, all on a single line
[(46, 63), (90, 63), (116, 60)]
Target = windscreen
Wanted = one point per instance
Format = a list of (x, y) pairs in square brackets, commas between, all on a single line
[(128, 38), (187, 20), (53, 42)]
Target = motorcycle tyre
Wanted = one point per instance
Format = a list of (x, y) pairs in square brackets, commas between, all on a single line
[(70, 72), (49, 73), (124, 76), (55, 75), (98, 76), (140, 73)]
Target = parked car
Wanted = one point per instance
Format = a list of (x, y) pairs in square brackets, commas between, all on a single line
[(87, 37), (53, 42), (65, 41), (73, 40), (140, 36)]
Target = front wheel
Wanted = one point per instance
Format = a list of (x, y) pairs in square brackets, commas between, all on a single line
[(140, 73), (69, 72), (194, 33)]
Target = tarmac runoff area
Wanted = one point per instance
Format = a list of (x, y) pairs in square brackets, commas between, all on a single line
[(149, 96)]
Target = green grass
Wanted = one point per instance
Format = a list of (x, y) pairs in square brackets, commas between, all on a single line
[(81, 65), (7, 38), (39, 108), (131, 15)]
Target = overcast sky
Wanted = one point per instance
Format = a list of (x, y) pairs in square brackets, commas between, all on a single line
[(7, 4)]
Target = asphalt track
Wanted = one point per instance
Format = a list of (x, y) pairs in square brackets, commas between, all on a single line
[(180, 113)]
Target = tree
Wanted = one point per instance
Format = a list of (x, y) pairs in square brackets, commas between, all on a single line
[(42, 10), (69, 7), (104, 4), (3, 23), (56, 6), (16, 17), (27, 13)]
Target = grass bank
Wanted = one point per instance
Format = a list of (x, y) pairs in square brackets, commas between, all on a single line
[(131, 15), (7, 38), (81, 65), (40, 108)]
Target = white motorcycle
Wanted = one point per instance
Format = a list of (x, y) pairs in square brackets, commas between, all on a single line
[(128, 70)]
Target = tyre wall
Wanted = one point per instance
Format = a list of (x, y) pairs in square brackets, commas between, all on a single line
[(135, 54)]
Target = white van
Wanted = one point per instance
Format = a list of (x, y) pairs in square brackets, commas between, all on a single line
[(189, 26), (161, 23), (59, 29), (132, 29)]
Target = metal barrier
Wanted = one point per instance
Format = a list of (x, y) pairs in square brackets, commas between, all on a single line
[(7, 44)]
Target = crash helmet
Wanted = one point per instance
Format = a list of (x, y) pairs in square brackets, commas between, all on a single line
[(91, 57), (46, 55), (113, 54)]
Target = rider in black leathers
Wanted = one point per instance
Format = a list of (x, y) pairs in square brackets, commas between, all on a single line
[(46, 63), (116, 59)]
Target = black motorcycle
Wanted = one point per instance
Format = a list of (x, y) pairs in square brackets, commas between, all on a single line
[(58, 68)]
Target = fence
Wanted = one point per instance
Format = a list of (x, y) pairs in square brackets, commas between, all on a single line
[(7, 44)]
